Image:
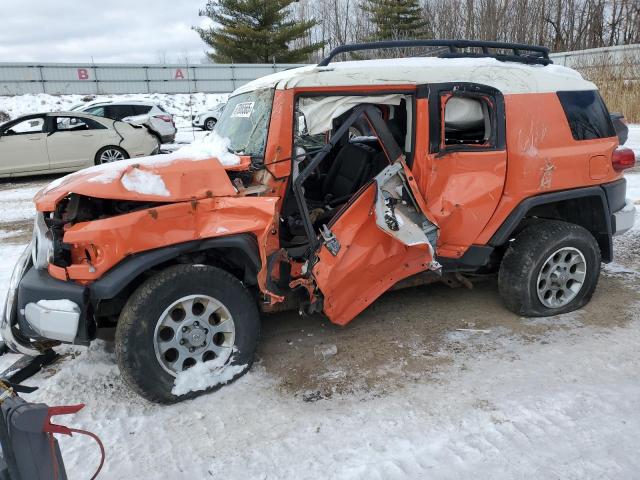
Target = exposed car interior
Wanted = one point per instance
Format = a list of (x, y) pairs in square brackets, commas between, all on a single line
[(467, 121), (353, 162)]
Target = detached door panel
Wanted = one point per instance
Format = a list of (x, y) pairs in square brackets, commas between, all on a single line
[(383, 238)]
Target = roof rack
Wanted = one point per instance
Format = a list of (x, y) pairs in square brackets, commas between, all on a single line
[(522, 53)]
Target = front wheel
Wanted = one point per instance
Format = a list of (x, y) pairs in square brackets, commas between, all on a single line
[(550, 268), (187, 330), (210, 123)]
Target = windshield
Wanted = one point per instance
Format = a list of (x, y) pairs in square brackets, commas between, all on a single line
[(245, 122)]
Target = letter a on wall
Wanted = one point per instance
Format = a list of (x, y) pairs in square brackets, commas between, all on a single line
[(179, 74), (83, 74)]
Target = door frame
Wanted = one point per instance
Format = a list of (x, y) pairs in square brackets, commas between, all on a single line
[(434, 93), (389, 145)]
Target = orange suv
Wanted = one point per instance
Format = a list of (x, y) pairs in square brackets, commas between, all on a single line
[(321, 188)]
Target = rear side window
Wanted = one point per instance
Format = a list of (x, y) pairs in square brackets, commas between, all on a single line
[(467, 121), (98, 111), (587, 115), (118, 112), (74, 124), (141, 109)]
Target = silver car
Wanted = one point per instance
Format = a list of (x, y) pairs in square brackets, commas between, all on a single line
[(139, 112), (66, 142)]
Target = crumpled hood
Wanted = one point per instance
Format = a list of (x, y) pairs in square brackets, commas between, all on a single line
[(162, 178)]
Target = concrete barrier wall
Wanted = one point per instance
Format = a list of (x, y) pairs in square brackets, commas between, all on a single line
[(622, 55)]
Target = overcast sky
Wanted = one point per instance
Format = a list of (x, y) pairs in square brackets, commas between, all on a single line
[(107, 30)]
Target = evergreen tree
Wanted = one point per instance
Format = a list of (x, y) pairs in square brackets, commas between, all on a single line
[(395, 19), (255, 31)]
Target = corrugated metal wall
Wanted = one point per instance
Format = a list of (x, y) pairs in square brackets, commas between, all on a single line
[(66, 78)]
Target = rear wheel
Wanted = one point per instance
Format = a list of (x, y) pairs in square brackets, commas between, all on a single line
[(186, 317), (110, 154), (549, 269)]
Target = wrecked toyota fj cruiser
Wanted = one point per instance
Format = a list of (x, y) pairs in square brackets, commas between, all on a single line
[(329, 185)]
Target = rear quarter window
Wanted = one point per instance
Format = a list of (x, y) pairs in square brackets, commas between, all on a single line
[(587, 115)]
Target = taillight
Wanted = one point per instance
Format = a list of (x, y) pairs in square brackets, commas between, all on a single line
[(165, 118), (622, 159)]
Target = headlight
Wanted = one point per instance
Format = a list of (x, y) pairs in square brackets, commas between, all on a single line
[(42, 244)]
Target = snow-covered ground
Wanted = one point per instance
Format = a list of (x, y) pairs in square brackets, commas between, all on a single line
[(516, 398)]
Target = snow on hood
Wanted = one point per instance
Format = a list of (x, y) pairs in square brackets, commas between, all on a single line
[(194, 171), (145, 183), (211, 145)]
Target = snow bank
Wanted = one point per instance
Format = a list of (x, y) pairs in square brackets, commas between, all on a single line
[(205, 375), (145, 183), (180, 105), (63, 305)]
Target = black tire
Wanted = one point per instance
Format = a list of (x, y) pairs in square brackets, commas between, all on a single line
[(97, 158), (527, 255), (209, 124), (134, 341)]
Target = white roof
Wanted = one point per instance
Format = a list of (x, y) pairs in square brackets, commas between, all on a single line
[(508, 77)]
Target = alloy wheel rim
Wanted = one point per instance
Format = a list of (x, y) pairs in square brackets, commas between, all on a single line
[(210, 124), (193, 329), (111, 155), (561, 277)]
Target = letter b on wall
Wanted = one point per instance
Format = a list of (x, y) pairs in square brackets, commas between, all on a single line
[(83, 74)]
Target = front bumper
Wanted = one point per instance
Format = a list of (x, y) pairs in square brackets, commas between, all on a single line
[(25, 323), (623, 219)]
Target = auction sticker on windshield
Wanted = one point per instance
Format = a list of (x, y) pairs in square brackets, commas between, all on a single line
[(243, 109)]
